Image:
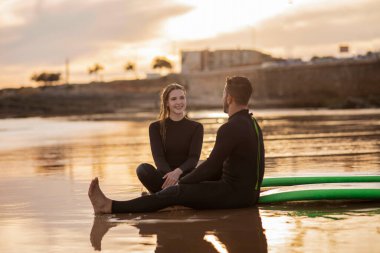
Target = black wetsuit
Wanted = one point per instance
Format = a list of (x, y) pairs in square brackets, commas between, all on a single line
[(181, 149), (238, 155)]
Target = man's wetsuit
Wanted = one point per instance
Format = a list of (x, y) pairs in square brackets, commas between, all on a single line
[(238, 155)]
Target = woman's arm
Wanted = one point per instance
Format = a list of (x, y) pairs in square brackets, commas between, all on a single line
[(157, 148)]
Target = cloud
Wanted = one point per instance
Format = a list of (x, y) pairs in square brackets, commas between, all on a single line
[(74, 29), (42, 34), (304, 28), (323, 25)]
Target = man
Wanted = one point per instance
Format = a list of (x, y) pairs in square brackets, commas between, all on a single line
[(237, 159)]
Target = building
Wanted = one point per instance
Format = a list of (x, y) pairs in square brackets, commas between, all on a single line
[(198, 61), (152, 75)]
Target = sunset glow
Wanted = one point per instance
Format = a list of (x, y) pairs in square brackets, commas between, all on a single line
[(40, 35), (211, 18)]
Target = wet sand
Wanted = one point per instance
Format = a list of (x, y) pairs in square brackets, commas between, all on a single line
[(46, 165)]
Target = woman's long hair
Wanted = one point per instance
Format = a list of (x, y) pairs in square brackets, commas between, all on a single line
[(164, 109)]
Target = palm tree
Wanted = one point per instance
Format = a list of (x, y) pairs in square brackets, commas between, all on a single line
[(95, 70), (162, 63), (130, 66)]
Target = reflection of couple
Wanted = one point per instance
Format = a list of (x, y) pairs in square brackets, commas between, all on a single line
[(231, 176), (238, 230)]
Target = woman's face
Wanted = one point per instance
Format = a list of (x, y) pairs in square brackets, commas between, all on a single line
[(177, 102)]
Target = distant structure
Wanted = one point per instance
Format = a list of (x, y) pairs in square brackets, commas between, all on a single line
[(205, 60), (67, 71), (344, 49), (152, 75)]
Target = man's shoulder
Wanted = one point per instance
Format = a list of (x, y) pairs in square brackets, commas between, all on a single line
[(236, 124), (225, 127)]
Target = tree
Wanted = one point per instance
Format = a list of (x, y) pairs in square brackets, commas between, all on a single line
[(130, 67), (314, 58), (46, 78), (162, 63), (95, 70)]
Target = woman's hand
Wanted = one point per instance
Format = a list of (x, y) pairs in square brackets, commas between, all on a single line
[(171, 178)]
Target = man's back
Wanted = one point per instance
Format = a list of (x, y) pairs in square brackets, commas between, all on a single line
[(240, 169), (238, 153)]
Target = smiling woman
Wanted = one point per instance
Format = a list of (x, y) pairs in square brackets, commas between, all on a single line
[(175, 141)]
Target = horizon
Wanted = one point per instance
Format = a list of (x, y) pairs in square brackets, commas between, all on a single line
[(34, 35)]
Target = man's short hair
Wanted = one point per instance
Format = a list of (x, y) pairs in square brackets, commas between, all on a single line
[(240, 88)]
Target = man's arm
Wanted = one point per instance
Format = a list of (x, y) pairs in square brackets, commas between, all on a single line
[(194, 150), (224, 144), (157, 148)]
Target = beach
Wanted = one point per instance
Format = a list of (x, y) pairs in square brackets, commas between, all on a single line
[(46, 165)]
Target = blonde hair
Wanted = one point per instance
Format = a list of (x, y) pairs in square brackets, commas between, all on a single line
[(164, 110)]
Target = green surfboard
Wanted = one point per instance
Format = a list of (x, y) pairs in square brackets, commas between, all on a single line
[(288, 181), (330, 191)]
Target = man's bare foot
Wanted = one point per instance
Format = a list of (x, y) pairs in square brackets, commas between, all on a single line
[(99, 229), (99, 201)]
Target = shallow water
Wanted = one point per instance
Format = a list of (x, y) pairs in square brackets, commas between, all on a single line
[(46, 165)]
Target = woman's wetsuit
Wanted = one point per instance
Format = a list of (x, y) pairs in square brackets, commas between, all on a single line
[(181, 149)]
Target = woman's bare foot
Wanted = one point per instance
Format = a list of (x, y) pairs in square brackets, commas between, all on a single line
[(99, 201)]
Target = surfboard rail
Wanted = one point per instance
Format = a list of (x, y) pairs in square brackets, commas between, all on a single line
[(299, 180), (324, 191), (320, 194)]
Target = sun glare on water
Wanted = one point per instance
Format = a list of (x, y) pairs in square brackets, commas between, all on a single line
[(216, 243)]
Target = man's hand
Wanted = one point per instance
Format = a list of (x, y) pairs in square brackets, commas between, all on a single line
[(171, 178)]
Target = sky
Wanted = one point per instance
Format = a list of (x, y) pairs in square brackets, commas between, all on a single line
[(41, 35)]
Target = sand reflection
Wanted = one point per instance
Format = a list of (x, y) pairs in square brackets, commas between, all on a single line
[(237, 230), (324, 226)]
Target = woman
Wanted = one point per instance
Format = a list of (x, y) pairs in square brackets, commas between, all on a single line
[(175, 141)]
